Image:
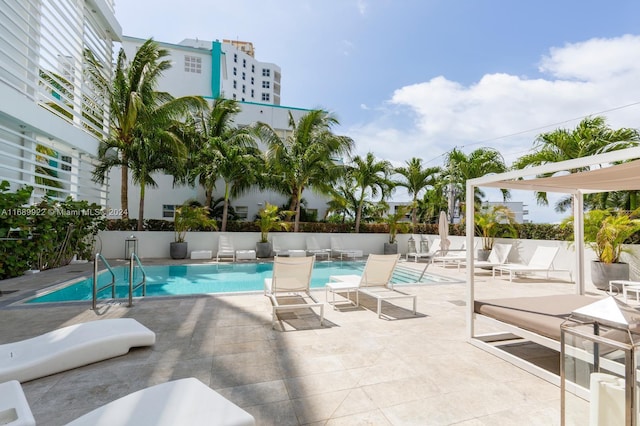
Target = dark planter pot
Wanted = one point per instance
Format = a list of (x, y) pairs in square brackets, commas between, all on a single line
[(178, 250), (390, 248), (602, 273), (263, 249), (483, 254)]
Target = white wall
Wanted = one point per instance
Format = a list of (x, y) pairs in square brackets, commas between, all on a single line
[(156, 245)]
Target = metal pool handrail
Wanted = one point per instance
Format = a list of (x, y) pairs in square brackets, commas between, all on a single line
[(143, 283), (112, 284)]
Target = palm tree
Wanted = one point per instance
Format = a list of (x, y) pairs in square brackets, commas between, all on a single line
[(415, 180), (591, 136), (460, 167), (132, 90), (213, 126), (304, 157), (371, 179), (239, 165)]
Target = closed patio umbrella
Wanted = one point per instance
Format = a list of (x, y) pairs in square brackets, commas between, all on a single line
[(443, 231)]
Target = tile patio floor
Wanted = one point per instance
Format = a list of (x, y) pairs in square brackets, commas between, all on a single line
[(357, 370)]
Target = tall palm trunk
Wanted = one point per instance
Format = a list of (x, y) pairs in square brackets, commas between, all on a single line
[(141, 206), (124, 192), (208, 196), (359, 216), (225, 208)]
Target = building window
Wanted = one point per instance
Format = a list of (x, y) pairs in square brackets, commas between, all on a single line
[(265, 84), (66, 163), (253, 68), (243, 89), (168, 210), (234, 96), (235, 57), (266, 72), (235, 71), (242, 212), (244, 76), (265, 97), (252, 80), (244, 63), (252, 93), (192, 64), (235, 84)]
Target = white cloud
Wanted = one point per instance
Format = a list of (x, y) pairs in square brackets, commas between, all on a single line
[(448, 114), (362, 7), (506, 111)]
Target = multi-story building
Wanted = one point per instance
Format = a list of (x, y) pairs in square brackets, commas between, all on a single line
[(212, 69), (51, 115)]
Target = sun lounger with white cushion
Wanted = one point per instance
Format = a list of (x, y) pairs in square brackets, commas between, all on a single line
[(541, 261), (71, 347), (184, 402)]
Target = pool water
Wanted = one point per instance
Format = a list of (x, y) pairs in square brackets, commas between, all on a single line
[(174, 280)]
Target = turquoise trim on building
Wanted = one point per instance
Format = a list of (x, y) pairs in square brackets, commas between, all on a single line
[(216, 55), (274, 106)]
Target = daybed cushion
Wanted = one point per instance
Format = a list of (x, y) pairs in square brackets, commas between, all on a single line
[(542, 315), (71, 347), (187, 402)]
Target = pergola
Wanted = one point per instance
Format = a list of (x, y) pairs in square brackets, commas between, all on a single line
[(604, 177)]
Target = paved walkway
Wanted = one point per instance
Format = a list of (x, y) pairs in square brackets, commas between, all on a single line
[(358, 369)]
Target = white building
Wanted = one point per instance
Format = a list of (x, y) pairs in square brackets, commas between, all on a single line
[(161, 202), (212, 69), (517, 207), (50, 114)]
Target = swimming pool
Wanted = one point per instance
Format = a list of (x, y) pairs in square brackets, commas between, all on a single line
[(176, 280)]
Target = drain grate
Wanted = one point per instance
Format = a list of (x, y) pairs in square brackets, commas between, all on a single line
[(458, 302), (74, 272), (7, 292)]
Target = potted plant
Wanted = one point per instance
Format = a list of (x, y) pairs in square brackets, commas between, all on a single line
[(395, 223), (496, 221), (269, 219), (605, 232), (188, 218)]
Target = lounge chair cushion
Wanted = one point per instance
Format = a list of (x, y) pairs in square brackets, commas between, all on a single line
[(187, 402), (71, 347)]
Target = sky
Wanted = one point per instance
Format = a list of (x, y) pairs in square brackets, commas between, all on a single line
[(417, 78)]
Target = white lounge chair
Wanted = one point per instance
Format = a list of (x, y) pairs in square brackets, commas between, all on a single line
[(455, 256), (375, 281), (279, 251), (541, 261), (291, 279), (314, 248), (434, 249), (184, 402), (338, 249), (498, 256), (71, 347), (225, 249)]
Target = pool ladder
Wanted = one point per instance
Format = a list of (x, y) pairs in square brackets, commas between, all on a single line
[(134, 259)]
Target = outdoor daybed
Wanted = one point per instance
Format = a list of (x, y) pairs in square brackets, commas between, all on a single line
[(540, 315)]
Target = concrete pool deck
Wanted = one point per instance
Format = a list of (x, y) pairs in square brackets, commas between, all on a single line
[(358, 369)]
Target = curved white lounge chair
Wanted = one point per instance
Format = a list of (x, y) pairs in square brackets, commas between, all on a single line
[(71, 347), (184, 402)]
